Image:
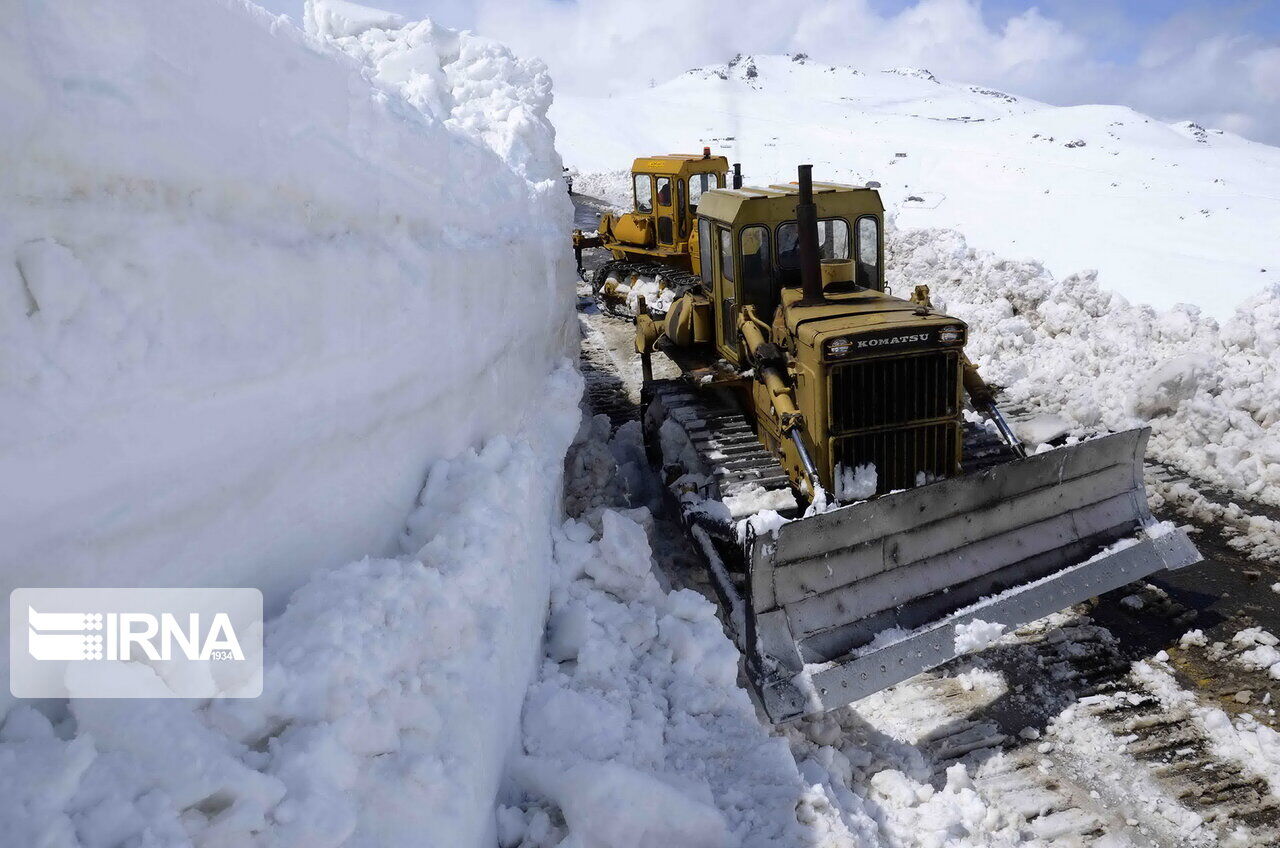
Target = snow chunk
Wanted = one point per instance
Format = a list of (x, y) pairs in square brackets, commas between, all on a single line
[(1263, 655), (623, 567), (1255, 636), (976, 635), (764, 523), (567, 632), (855, 484), (1170, 383), (609, 805), (1193, 637), (1042, 429), (753, 498), (336, 18)]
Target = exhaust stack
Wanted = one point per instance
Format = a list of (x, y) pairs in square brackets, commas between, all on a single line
[(807, 231), (737, 175)]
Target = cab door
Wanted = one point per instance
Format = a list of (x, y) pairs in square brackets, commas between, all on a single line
[(664, 203), (682, 211), (726, 294)]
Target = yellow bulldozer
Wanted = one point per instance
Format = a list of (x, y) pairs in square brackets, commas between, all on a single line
[(650, 245), (861, 502)]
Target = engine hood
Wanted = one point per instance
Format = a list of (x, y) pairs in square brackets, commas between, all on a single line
[(871, 322)]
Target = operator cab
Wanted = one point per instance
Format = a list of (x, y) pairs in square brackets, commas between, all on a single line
[(748, 247), (669, 188)]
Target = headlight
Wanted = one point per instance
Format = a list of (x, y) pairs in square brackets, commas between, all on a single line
[(838, 347), (950, 335)]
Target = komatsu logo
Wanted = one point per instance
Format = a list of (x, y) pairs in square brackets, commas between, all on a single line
[(135, 643), (892, 340)]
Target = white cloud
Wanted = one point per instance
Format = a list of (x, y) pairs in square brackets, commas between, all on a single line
[(1190, 67)]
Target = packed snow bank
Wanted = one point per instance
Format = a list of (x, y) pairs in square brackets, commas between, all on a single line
[(636, 732), (1167, 213), (251, 287), (391, 700), (637, 701), (1210, 392)]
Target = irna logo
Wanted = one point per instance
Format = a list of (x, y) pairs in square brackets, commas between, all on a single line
[(135, 643), (70, 636)]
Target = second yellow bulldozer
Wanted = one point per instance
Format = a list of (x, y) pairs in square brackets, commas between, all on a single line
[(650, 245), (862, 504)]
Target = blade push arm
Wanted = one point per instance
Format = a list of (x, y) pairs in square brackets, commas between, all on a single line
[(771, 370), (984, 400)]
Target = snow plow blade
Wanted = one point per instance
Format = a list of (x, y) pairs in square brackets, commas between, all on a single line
[(1007, 545)]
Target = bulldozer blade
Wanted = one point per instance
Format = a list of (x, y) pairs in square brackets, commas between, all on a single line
[(848, 602)]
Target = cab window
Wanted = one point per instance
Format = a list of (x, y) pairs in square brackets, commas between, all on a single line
[(833, 242), (754, 271), (664, 191), (644, 193), (868, 264), (726, 254), (698, 183), (728, 299), (681, 223), (706, 249)]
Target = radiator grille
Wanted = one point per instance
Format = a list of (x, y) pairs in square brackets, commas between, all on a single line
[(894, 390), (900, 456)]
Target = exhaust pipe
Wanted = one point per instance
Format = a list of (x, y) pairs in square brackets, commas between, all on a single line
[(807, 231), (737, 175)]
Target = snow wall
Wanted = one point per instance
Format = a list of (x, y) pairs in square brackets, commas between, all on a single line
[(256, 285), (250, 287)]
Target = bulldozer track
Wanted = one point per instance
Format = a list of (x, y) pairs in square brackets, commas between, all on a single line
[(729, 450), (678, 281), (726, 444)]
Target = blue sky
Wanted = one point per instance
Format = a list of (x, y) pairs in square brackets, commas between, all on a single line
[(1121, 28), (1217, 63)]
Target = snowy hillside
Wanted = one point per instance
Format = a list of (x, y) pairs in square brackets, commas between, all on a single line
[(1165, 213)]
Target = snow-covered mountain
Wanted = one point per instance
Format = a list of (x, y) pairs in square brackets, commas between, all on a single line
[(1166, 213)]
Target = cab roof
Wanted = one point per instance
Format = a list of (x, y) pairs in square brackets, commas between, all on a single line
[(671, 163), (777, 202)]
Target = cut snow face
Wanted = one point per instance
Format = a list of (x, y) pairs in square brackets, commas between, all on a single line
[(247, 283), (607, 805), (1166, 214), (636, 732), (367, 732)]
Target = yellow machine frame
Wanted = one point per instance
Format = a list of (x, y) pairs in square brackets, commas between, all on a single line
[(664, 231)]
